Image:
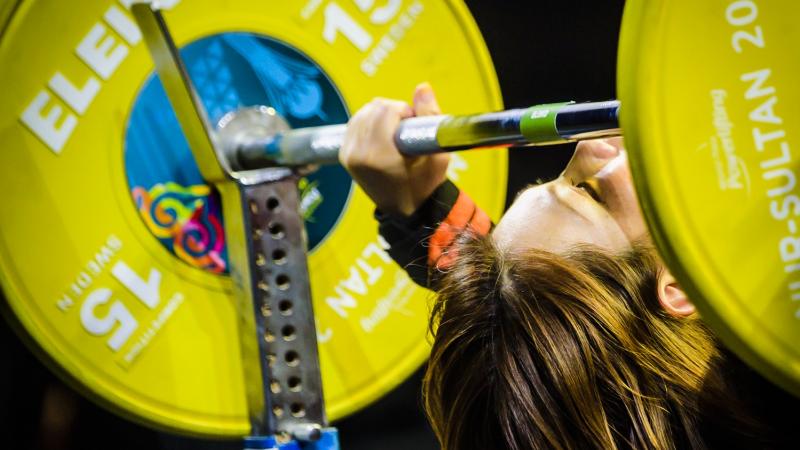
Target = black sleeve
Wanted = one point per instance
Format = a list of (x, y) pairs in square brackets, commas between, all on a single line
[(408, 236)]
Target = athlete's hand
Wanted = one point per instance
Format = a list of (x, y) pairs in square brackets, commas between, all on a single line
[(397, 184)]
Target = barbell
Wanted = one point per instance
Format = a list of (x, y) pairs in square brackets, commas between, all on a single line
[(546, 124), (115, 216)]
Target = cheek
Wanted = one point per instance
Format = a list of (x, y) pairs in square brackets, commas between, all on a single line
[(633, 224), (623, 206)]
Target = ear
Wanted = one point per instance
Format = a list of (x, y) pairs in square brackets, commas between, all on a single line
[(671, 296)]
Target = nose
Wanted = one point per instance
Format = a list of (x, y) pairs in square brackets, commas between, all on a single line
[(591, 156)]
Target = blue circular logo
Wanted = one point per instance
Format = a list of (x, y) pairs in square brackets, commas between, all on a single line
[(229, 71)]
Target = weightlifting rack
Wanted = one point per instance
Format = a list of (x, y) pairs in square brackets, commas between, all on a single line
[(267, 251)]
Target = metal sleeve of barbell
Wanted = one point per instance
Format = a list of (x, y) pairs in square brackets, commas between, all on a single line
[(577, 121), (538, 125), (564, 122)]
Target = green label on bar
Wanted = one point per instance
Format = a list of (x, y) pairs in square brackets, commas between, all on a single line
[(538, 124)]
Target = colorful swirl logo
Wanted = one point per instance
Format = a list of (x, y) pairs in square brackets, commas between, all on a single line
[(182, 218)]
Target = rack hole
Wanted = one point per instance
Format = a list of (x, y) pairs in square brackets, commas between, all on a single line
[(279, 256), (285, 307), (253, 207), (276, 230), (294, 384), (297, 409), (266, 311), (278, 411), (282, 281), (288, 333), (292, 358), (271, 358), (273, 203), (268, 336), (260, 260), (275, 387)]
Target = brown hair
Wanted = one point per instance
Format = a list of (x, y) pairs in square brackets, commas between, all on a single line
[(538, 350)]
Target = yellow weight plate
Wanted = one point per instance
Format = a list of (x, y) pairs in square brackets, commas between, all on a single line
[(6, 9), (709, 93), (111, 255)]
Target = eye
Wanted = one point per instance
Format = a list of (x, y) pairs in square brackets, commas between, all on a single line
[(590, 189)]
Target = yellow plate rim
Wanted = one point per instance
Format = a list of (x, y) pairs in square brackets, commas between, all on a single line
[(640, 41)]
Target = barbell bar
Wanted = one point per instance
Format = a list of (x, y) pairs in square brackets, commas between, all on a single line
[(545, 124)]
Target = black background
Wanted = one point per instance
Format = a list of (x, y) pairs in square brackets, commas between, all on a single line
[(543, 51)]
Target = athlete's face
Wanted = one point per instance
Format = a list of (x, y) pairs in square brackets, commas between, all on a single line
[(591, 202)]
